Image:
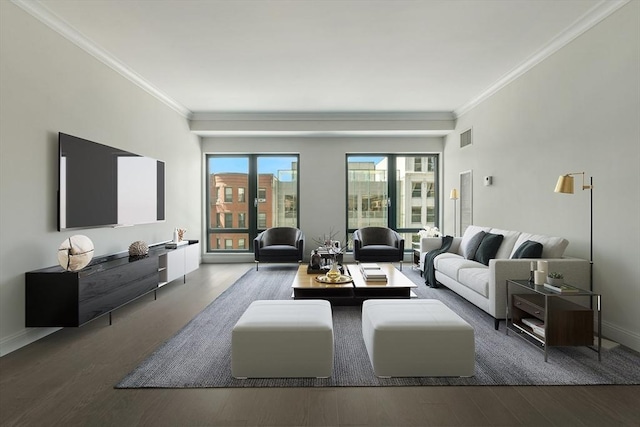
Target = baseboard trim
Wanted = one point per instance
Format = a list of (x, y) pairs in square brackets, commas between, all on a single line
[(23, 338), (620, 335)]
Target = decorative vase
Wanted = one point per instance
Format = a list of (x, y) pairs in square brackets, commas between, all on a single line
[(316, 260), (334, 273)]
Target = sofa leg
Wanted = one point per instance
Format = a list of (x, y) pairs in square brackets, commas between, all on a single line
[(400, 265), (496, 323)]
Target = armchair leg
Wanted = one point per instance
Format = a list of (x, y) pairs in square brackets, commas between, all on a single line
[(256, 265), (400, 265)]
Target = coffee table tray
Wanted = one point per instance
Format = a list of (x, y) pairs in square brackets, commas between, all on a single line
[(342, 279)]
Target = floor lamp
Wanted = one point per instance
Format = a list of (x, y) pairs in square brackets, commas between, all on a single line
[(454, 196), (565, 185)]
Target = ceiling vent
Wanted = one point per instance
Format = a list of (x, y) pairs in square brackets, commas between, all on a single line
[(465, 138)]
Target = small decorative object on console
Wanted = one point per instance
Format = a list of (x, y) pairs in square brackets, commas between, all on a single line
[(75, 253), (181, 232), (138, 249), (555, 279)]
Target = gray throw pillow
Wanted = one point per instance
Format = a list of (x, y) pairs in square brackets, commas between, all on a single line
[(488, 248), (469, 252), (528, 249)]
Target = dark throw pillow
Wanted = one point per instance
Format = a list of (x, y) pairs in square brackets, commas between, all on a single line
[(488, 248), (472, 246), (528, 249)]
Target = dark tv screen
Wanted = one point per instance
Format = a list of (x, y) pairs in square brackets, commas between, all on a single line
[(101, 186)]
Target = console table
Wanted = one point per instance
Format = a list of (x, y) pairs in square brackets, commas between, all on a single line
[(58, 298), (564, 323)]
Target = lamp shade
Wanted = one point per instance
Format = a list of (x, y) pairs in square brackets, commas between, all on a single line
[(564, 184), (454, 194)]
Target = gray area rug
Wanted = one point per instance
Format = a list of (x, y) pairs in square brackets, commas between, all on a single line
[(199, 355)]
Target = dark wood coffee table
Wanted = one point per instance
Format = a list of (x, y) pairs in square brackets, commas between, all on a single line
[(305, 286)]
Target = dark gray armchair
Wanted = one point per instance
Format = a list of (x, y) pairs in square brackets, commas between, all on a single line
[(378, 244), (279, 244)]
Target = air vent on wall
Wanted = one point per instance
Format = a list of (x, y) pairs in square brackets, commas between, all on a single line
[(465, 138)]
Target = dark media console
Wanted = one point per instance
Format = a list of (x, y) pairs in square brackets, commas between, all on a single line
[(55, 297)]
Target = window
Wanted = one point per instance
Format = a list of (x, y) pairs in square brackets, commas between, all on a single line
[(416, 214), (431, 215), (262, 195), (262, 220), (416, 189), (270, 180), (391, 190), (228, 244), (430, 190)]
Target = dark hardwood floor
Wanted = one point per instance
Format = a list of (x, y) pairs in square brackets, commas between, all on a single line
[(67, 379)]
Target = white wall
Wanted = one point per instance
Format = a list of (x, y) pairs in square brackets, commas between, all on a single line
[(49, 85), (322, 173), (579, 110)]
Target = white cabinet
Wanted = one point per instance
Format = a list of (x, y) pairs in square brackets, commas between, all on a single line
[(179, 262)]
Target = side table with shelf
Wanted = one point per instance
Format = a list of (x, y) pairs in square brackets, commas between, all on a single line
[(564, 322)]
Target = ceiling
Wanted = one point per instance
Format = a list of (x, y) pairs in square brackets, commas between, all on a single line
[(320, 56)]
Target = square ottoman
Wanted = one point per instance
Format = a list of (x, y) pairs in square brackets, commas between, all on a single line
[(280, 339), (417, 338)]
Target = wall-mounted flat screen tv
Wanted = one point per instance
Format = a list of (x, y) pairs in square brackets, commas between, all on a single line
[(102, 186)]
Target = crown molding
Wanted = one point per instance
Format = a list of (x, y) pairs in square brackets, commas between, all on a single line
[(592, 17), (322, 116), (53, 21)]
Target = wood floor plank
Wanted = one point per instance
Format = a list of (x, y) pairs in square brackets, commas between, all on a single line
[(68, 378)]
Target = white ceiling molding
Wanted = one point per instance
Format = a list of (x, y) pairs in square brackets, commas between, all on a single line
[(323, 124), (582, 24), (42, 13)]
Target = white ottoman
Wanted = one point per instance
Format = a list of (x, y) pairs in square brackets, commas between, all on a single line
[(275, 339), (417, 338)]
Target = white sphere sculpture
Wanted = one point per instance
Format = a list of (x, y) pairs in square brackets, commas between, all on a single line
[(75, 252)]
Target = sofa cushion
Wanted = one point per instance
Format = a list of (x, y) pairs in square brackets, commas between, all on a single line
[(528, 249), (472, 247), (452, 265), (476, 279), (488, 247), (509, 241), (552, 247), (471, 231)]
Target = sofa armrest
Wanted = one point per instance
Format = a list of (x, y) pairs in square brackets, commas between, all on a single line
[(429, 244), (575, 270)]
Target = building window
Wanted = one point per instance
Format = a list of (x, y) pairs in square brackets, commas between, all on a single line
[(262, 220), (397, 191), (241, 244), (416, 214), (228, 244), (234, 182), (416, 189)]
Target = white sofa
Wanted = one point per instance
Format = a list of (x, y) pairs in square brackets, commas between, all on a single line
[(485, 286)]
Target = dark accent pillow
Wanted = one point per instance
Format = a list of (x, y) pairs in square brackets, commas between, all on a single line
[(528, 249), (488, 248), (473, 244)]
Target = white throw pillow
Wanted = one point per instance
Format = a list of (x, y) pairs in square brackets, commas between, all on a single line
[(552, 247), (509, 241)]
